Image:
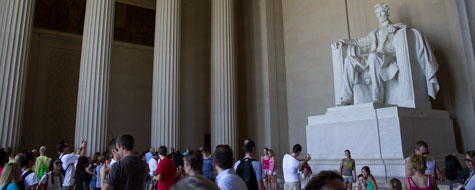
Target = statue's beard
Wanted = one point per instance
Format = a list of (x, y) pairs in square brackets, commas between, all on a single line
[(384, 20)]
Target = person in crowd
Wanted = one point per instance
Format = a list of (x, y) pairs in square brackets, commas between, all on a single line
[(366, 172), (35, 153), (226, 179), (3, 159), (422, 149), (129, 173), (265, 166), (42, 163), (348, 170), (468, 170), (252, 177), (29, 177), (453, 170), (52, 180), (290, 168), (305, 174), (362, 185), (207, 164), (97, 171), (326, 180), (152, 166), (81, 176), (165, 174), (10, 176), (272, 172), (149, 154), (395, 184), (18, 157), (470, 182), (91, 168), (68, 160), (9, 151), (113, 149), (419, 180), (193, 163)]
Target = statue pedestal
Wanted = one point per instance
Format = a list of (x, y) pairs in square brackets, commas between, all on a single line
[(378, 136)]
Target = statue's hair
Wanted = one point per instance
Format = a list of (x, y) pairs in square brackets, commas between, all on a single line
[(384, 6)]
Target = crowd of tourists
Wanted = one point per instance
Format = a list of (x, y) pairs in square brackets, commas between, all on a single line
[(120, 167)]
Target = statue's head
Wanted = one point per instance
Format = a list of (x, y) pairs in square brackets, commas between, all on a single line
[(382, 12)]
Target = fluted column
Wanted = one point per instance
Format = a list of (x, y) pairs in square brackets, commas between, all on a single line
[(223, 110), (166, 79), (16, 21), (93, 92)]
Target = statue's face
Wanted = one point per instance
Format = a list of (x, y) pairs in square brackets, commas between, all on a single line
[(381, 14)]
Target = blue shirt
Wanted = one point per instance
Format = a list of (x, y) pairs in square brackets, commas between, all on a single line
[(229, 180), (11, 186), (208, 168), (148, 156), (257, 169)]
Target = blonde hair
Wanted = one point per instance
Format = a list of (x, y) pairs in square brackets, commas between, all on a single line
[(9, 174), (43, 150), (395, 184), (418, 163)]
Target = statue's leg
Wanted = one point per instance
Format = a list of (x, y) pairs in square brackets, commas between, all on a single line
[(347, 82), (377, 87)]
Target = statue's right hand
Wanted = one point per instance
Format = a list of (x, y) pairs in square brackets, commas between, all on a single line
[(338, 44)]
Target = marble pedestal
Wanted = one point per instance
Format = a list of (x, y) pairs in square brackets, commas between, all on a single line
[(379, 136)]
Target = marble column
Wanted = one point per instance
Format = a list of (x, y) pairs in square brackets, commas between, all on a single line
[(93, 92), (166, 78), (223, 109), (16, 21)]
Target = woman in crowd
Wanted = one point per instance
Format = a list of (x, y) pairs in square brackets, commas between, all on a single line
[(11, 174), (30, 179), (265, 166), (53, 180), (305, 174), (366, 172), (467, 172), (348, 170), (419, 181), (272, 171), (193, 163), (81, 176), (90, 170), (470, 182), (395, 184), (362, 185)]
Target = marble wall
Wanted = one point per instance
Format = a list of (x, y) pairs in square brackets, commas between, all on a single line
[(311, 26)]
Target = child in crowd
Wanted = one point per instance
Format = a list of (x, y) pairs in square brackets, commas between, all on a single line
[(395, 184), (53, 180), (362, 185), (100, 161), (305, 174), (348, 170), (366, 172), (91, 170)]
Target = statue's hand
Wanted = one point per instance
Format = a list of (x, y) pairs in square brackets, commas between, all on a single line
[(338, 44), (392, 29)]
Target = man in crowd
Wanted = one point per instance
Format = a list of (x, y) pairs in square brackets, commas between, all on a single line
[(113, 149), (42, 163), (166, 170), (129, 173), (68, 159), (252, 177), (227, 179), (152, 166), (326, 180), (291, 166), (422, 149), (149, 154)]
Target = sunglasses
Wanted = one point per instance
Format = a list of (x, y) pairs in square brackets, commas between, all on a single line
[(468, 160), (425, 153)]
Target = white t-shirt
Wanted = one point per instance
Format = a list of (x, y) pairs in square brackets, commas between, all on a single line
[(50, 185), (290, 167), (30, 180), (152, 165), (69, 160), (113, 162)]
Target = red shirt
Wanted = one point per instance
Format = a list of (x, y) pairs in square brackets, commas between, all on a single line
[(167, 170)]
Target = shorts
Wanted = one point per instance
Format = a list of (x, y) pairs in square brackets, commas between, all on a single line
[(292, 186), (348, 179), (268, 172)]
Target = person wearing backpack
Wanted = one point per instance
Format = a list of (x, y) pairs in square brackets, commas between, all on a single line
[(52, 180), (42, 163), (10, 176), (248, 168), (68, 159), (30, 179)]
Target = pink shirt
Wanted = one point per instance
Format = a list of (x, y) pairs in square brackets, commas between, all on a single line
[(429, 186)]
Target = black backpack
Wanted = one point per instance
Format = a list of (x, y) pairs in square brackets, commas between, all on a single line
[(63, 171), (21, 184), (247, 173)]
